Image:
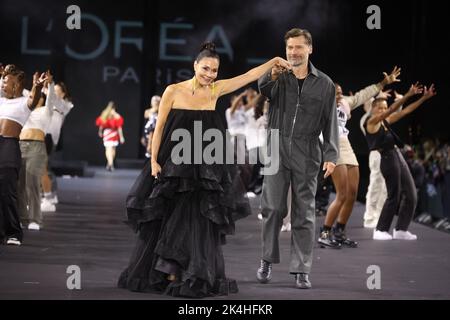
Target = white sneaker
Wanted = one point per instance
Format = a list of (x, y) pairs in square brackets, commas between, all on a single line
[(370, 224), (54, 199), (286, 227), (381, 235), (251, 194), (403, 235), (47, 206), (14, 242), (34, 226), (260, 216)]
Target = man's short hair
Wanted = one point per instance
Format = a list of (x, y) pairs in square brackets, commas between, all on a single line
[(297, 32)]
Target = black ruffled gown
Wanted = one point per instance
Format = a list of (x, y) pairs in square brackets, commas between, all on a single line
[(182, 218)]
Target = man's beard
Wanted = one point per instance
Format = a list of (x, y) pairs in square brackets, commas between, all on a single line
[(296, 63)]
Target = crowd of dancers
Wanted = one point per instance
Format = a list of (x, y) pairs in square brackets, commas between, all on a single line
[(30, 125)]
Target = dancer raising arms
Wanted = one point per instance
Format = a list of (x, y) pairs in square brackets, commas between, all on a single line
[(346, 174), (14, 112), (381, 137)]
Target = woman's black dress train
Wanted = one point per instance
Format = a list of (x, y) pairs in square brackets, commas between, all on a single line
[(182, 218)]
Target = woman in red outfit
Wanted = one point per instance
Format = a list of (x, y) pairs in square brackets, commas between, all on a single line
[(110, 129)]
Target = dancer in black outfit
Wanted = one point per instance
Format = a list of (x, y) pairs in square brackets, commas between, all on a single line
[(381, 137)]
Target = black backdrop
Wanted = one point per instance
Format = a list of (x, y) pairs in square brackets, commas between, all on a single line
[(126, 51)]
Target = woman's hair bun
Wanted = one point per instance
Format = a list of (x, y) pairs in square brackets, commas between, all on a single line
[(207, 50), (210, 46)]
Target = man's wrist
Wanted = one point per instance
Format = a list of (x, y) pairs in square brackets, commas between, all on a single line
[(274, 75)]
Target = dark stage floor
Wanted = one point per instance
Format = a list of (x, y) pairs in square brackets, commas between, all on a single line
[(87, 231)]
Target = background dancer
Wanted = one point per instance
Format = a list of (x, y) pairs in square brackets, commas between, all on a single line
[(346, 174), (110, 129), (376, 191), (61, 108), (151, 115), (14, 112), (34, 159), (255, 141), (394, 168)]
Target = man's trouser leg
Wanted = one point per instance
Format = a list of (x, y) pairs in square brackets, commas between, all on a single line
[(304, 186), (287, 219), (274, 209)]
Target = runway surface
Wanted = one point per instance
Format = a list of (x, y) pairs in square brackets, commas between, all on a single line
[(87, 231)]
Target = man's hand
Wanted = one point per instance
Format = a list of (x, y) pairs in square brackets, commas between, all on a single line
[(276, 71), (280, 66), (283, 64), (328, 167)]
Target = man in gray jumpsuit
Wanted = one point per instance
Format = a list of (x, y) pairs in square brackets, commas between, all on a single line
[(302, 106)]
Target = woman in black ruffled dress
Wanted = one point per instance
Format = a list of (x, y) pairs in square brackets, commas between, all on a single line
[(182, 206)]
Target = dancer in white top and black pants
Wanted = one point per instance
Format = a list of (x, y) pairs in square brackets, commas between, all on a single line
[(14, 112)]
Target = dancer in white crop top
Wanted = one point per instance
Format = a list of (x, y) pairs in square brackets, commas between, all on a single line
[(14, 112)]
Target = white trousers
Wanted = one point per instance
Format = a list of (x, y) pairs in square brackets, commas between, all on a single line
[(376, 192)]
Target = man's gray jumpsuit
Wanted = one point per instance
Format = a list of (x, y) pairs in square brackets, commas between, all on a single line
[(300, 115)]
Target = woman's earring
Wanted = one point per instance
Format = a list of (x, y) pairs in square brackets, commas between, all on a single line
[(193, 86)]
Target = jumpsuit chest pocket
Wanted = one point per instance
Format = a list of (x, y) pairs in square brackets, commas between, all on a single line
[(310, 107)]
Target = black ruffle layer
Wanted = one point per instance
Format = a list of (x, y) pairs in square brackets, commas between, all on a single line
[(182, 219)]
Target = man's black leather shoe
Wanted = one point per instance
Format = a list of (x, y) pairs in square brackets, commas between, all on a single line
[(302, 281), (264, 273)]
